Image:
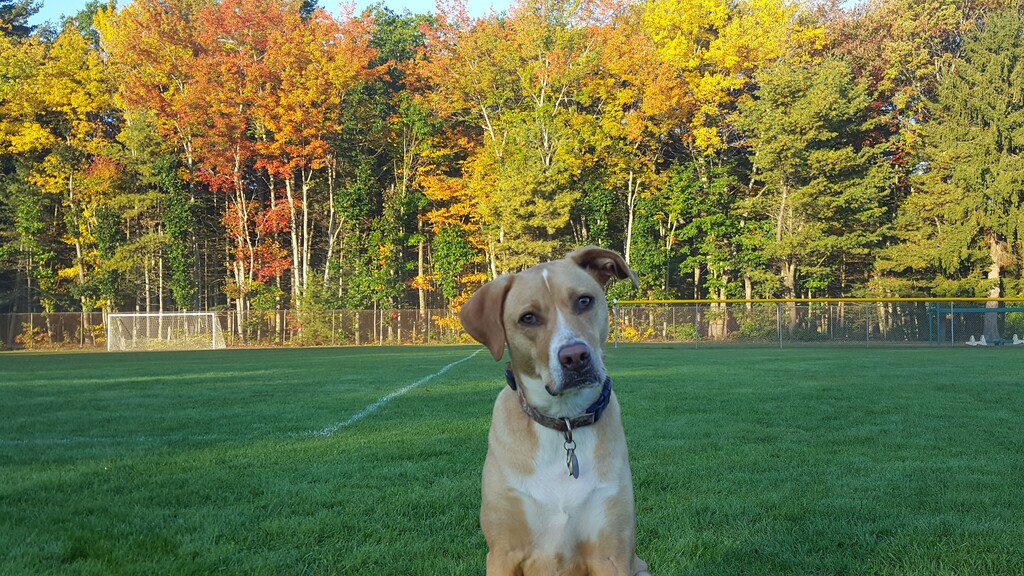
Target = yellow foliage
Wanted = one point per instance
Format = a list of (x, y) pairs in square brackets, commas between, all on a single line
[(450, 322), (718, 46), (68, 273), (630, 333), (422, 282), (20, 62), (473, 278), (25, 135)]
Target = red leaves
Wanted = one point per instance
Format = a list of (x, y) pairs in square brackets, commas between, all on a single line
[(272, 260), (274, 219), (253, 227), (244, 86)]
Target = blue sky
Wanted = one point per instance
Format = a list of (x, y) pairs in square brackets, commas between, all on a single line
[(52, 10)]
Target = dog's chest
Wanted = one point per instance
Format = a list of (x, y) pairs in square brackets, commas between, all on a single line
[(558, 507)]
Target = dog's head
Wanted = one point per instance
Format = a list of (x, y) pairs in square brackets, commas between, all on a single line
[(554, 318)]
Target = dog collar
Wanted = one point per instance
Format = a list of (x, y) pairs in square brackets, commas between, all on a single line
[(565, 425)]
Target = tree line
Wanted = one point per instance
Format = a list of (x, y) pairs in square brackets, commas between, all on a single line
[(266, 154)]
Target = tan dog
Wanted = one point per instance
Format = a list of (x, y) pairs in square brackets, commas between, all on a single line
[(557, 489)]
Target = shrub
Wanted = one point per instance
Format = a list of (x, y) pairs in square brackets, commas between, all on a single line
[(758, 324), (1014, 323), (33, 338)]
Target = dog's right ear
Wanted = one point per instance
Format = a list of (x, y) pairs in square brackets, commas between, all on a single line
[(481, 315), (603, 265)]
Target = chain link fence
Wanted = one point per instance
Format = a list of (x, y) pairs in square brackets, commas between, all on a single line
[(779, 323), (71, 330), (856, 322)]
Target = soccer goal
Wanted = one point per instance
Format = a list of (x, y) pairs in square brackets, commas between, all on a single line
[(165, 331)]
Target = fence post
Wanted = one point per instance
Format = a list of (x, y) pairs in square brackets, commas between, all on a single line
[(778, 316), (867, 324), (615, 320), (696, 326)]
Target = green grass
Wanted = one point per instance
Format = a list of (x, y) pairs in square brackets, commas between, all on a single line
[(746, 461)]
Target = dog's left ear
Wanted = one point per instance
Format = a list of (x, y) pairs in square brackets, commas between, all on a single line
[(481, 315), (602, 264)]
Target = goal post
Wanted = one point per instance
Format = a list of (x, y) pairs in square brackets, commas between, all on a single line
[(164, 331)]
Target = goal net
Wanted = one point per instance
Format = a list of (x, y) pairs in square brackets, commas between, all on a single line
[(166, 331)]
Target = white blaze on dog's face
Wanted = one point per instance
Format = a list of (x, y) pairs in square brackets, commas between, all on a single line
[(554, 318)]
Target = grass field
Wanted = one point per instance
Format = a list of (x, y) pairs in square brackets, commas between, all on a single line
[(746, 461)]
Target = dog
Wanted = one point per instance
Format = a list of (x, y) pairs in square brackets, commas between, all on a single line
[(557, 491)]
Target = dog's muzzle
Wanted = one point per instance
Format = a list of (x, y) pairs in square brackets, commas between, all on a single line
[(577, 368)]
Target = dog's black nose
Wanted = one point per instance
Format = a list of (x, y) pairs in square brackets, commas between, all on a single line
[(574, 357)]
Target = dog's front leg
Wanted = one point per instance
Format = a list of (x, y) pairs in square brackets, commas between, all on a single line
[(510, 563), (542, 564), (614, 567), (613, 555), (504, 563)]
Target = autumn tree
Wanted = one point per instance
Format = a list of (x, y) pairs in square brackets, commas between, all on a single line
[(23, 208), (901, 48), (717, 49), (311, 64), (73, 89), (152, 49), (412, 133), (717, 46), (638, 100), (517, 81)]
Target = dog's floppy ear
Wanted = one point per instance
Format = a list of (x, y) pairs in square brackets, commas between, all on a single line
[(481, 315), (602, 264)]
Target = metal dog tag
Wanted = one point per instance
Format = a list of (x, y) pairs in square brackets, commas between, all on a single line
[(572, 462)]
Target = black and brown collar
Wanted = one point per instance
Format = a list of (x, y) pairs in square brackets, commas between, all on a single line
[(590, 416)]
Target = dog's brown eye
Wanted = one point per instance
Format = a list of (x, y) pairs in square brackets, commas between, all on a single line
[(529, 319), (583, 303)]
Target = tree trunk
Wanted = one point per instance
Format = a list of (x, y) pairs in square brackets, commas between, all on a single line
[(296, 254), (789, 281), (631, 194), (748, 289), (149, 289), (997, 252), (421, 269), (307, 230), (160, 280), (335, 222), (199, 302), (492, 260)]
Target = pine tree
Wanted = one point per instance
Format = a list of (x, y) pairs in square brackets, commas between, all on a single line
[(819, 185), (14, 16), (964, 216)]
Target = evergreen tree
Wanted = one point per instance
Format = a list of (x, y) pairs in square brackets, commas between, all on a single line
[(963, 219), (14, 16), (821, 188)]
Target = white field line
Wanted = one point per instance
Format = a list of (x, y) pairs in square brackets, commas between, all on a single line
[(142, 439), (383, 401), (160, 439)]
